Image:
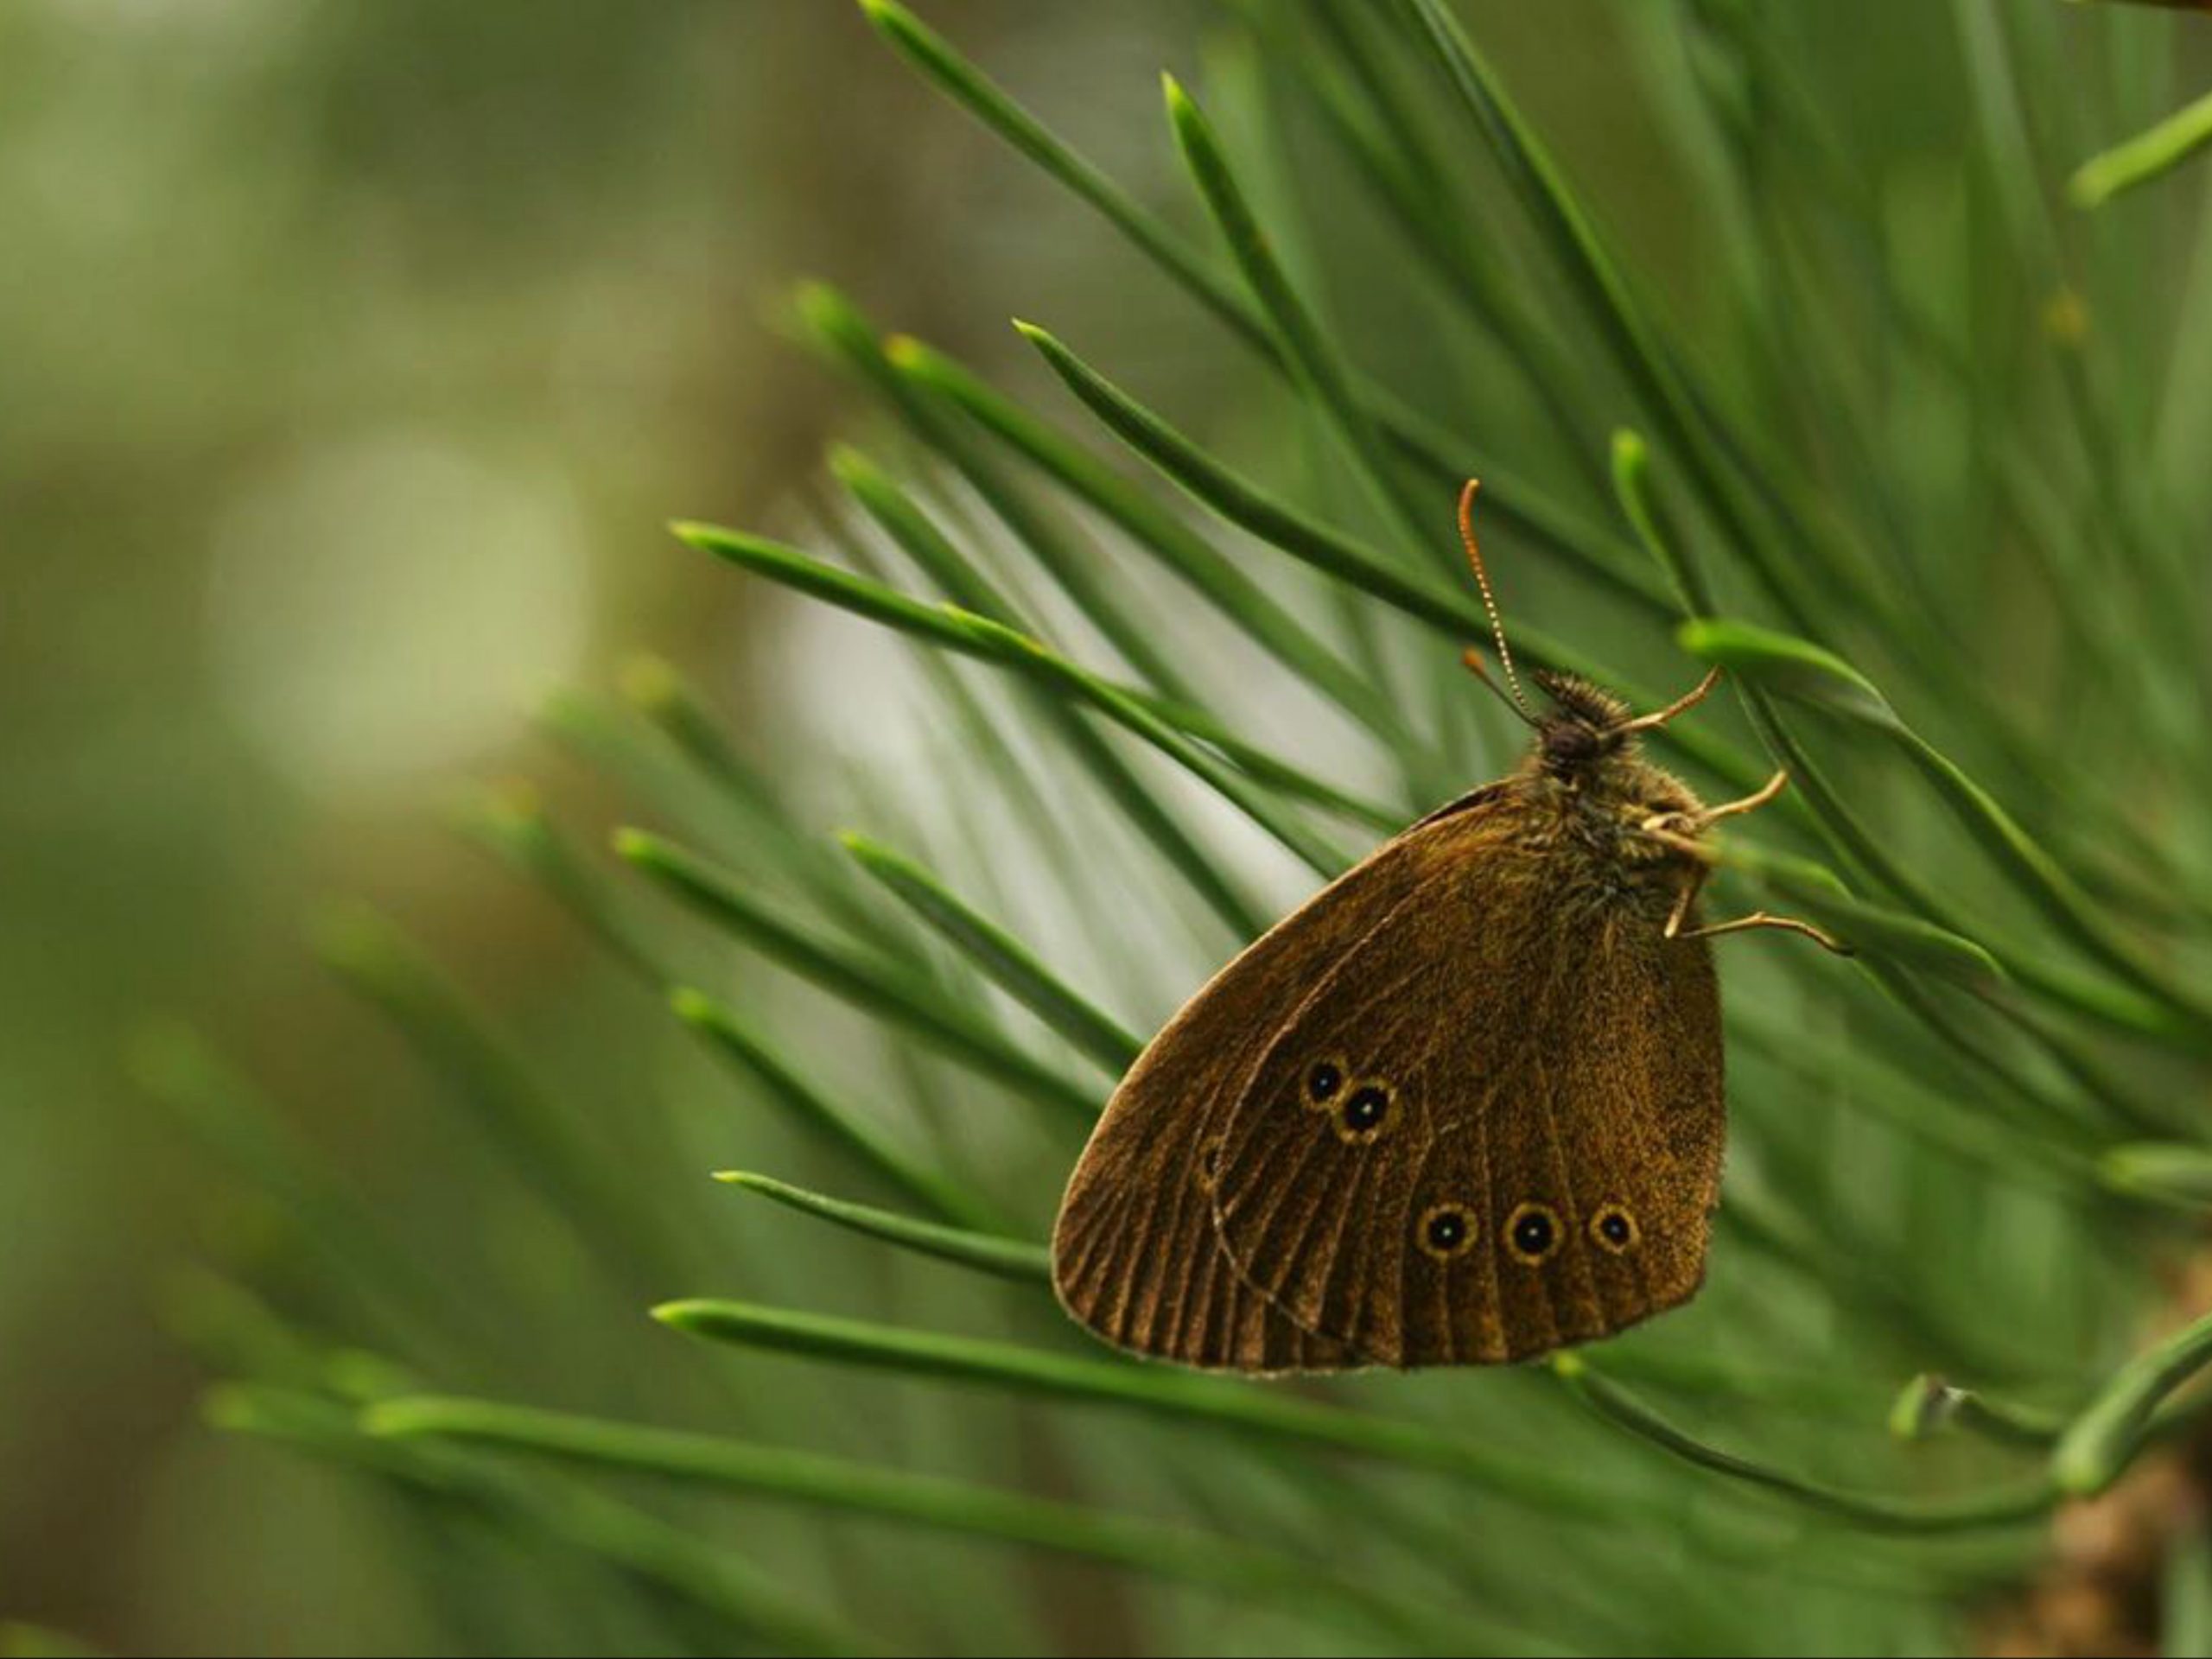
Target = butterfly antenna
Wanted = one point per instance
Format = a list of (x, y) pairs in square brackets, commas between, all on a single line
[(1489, 605)]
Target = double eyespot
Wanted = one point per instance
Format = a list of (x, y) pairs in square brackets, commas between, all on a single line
[(1362, 1109)]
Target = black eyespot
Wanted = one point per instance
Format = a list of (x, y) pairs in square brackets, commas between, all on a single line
[(1366, 1108), (1532, 1233), (1446, 1230), (1324, 1080), (1614, 1229)]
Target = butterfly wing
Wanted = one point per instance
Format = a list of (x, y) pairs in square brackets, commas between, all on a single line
[(1135, 1254), (1492, 1125)]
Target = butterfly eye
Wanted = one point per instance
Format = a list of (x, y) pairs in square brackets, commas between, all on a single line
[(1614, 1229), (1446, 1231), (1323, 1082), (1532, 1233), (1366, 1112)]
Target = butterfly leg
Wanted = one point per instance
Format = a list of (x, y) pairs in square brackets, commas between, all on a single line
[(1682, 830), (1700, 870), (1751, 803), (1690, 887)]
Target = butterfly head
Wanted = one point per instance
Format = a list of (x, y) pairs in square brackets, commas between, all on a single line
[(1588, 741), (1585, 727)]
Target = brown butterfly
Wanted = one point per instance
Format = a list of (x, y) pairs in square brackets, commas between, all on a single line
[(1462, 1108)]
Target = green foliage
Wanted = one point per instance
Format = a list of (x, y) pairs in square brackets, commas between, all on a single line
[(1902, 498), (2146, 156)]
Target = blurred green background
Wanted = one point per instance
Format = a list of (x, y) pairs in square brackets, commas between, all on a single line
[(355, 355), (352, 353)]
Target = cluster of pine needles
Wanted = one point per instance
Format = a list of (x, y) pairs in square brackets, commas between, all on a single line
[(1887, 424)]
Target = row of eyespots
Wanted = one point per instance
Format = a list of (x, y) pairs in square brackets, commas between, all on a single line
[(1362, 1108), (1532, 1234)]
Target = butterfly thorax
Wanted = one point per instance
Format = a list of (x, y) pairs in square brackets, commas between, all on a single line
[(1589, 798)]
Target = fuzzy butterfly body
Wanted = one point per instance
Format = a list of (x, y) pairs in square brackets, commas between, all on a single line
[(1463, 1108)]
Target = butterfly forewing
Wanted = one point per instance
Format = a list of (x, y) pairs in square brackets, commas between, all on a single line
[(1135, 1255)]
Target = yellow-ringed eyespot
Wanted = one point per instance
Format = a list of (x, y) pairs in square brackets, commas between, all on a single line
[(1613, 1229), (1324, 1084), (1532, 1234), (1366, 1113), (1446, 1231)]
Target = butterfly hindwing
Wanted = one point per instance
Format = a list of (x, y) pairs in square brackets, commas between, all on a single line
[(1135, 1254), (1639, 1087), (1491, 1127)]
